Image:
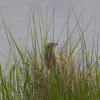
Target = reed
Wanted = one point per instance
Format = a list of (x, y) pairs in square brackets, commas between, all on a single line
[(75, 77)]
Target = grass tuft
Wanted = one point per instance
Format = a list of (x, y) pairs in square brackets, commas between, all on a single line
[(76, 75)]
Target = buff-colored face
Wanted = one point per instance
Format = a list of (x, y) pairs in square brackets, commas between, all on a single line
[(51, 45)]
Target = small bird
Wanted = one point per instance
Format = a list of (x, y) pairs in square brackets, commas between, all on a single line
[(49, 55)]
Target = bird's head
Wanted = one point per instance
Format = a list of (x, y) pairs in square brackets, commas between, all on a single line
[(51, 46)]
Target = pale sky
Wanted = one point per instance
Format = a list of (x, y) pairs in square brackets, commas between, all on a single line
[(16, 14)]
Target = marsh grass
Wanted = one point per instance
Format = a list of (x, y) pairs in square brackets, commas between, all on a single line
[(76, 75)]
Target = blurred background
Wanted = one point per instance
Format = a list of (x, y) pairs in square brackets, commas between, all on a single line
[(16, 16)]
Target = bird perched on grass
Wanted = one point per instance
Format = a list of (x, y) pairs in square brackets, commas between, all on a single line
[(49, 55)]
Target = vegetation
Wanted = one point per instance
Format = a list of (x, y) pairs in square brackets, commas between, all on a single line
[(76, 77)]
